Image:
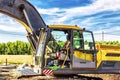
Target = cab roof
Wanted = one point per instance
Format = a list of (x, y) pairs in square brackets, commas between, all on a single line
[(65, 27)]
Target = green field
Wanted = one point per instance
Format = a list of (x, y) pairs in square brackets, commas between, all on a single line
[(16, 59)]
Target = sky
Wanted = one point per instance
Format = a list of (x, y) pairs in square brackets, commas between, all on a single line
[(99, 16)]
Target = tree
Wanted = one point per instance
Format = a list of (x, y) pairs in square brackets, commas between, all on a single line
[(15, 48)]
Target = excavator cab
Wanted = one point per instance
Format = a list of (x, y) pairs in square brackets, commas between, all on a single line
[(66, 49)]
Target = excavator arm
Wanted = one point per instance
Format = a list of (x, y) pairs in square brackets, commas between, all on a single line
[(27, 15)]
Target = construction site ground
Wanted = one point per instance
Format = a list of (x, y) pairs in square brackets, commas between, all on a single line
[(8, 73)]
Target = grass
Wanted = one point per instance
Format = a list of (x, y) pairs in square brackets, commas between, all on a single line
[(16, 59)]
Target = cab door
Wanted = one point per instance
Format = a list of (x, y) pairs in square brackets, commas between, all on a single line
[(83, 50)]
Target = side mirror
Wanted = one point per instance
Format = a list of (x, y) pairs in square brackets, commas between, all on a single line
[(91, 45)]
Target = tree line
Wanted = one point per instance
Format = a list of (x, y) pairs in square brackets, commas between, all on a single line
[(24, 48), (15, 48)]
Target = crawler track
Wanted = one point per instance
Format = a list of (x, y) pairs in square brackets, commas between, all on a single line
[(72, 77), (77, 77)]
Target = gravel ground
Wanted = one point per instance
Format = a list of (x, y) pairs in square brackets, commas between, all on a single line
[(12, 72), (103, 76), (106, 76)]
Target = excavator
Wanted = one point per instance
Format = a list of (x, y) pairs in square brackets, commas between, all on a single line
[(62, 51)]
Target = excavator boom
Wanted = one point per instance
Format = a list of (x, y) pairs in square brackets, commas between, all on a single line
[(15, 9), (26, 14)]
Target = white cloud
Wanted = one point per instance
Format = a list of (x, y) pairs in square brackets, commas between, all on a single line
[(48, 11), (112, 29), (12, 28), (62, 15), (59, 16), (107, 5), (95, 7), (106, 37), (10, 24), (12, 38), (111, 37)]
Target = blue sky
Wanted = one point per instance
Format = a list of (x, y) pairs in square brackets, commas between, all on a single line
[(94, 15)]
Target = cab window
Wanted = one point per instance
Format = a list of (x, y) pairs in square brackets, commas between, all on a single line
[(83, 40)]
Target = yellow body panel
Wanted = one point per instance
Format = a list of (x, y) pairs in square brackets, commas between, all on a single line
[(104, 50), (83, 56), (105, 47), (65, 27)]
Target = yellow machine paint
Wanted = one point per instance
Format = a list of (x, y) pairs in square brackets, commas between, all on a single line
[(104, 50), (83, 56), (65, 27)]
